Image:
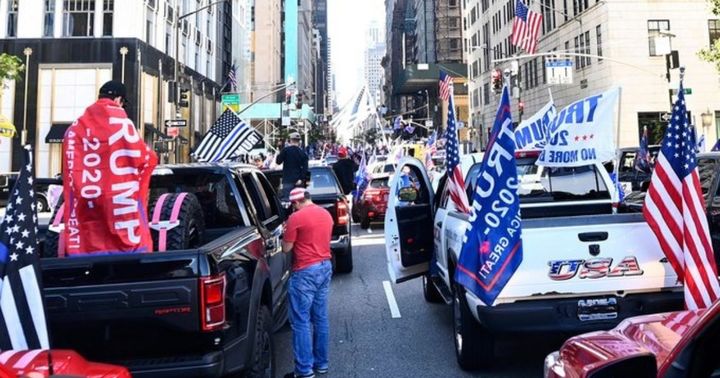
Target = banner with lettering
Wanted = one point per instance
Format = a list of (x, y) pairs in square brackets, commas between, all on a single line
[(582, 133), (492, 245), (531, 134), (106, 173)]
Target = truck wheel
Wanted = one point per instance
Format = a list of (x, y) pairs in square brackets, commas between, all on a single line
[(355, 215), (474, 346), (41, 204), (189, 233), (344, 262), (263, 361), (430, 292)]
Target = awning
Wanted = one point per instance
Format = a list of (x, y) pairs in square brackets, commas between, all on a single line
[(56, 133)]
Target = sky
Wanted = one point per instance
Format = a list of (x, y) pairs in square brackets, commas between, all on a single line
[(348, 21)]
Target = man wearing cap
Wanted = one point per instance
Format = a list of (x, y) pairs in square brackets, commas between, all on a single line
[(345, 169), (307, 234), (295, 165)]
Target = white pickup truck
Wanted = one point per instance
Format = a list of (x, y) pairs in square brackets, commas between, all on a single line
[(584, 267)]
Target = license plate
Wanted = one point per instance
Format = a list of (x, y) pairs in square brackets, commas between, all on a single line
[(597, 309)]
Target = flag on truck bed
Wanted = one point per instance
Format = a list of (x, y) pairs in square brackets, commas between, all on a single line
[(455, 180), (22, 315), (675, 210), (492, 245), (227, 136)]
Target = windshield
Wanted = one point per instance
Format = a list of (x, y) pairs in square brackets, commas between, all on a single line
[(323, 181), (379, 183)]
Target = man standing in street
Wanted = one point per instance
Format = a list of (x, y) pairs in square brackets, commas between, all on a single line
[(295, 165), (345, 169), (308, 234)]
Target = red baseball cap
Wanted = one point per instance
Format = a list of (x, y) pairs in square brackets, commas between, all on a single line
[(297, 194), (342, 152)]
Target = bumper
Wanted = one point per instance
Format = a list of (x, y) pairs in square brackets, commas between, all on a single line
[(339, 244), (561, 315), (207, 365)]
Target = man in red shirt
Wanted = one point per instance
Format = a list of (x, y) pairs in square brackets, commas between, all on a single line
[(308, 232)]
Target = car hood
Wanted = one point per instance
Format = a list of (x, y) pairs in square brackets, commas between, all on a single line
[(656, 334)]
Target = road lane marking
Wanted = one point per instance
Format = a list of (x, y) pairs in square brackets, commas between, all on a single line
[(394, 310)]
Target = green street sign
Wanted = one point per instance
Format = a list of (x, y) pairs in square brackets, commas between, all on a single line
[(687, 91), (231, 101)]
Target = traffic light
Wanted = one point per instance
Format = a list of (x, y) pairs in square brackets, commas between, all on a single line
[(496, 81), (521, 107), (184, 101)]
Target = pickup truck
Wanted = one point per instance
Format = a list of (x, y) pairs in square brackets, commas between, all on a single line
[(204, 304), (325, 192), (584, 267), (40, 185)]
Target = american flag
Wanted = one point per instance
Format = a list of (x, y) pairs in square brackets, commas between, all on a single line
[(456, 183), (232, 78), (675, 210), (526, 28), (227, 136), (446, 84), (642, 159), (22, 315)]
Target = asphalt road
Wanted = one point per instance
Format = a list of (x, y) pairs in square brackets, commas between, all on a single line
[(366, 341)]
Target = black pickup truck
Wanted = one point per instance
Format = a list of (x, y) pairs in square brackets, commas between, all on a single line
[(325, 192), (206, 306)]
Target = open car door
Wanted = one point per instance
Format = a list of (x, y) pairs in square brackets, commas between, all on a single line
[(409, 221)]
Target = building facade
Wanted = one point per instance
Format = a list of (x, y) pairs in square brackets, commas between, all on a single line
[(267, 50), (374, 52), (622, 38), (74, 46)]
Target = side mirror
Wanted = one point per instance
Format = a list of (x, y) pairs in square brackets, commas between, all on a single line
[(639, 366), (407, 194)]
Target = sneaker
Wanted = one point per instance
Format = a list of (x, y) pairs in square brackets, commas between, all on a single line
[(321, 370), (293, 375)]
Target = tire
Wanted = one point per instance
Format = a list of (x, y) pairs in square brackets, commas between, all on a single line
[(355, 215), (474, 346), (189, 233), (41, 204), (364, 223), (262, 363), (430, 292), (344, 262)]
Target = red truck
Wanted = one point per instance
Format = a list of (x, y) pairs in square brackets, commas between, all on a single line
[(672, 344), (66, 363)]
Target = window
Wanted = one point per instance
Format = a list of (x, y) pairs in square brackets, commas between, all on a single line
[(587, 47), (486, 93), (12, 18), (49, 21), (548, 10), (108, 7), (271, 207), (150, 25), (577, 50), (78, 18), (598, 35), (713, 30), (655, 27)]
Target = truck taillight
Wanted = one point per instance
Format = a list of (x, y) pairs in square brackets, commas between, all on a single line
[(342, 212), (212, 302)]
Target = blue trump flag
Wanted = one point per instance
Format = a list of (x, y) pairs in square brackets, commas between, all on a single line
[(492, 245)]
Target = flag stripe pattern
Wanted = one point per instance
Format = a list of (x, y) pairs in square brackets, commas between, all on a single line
[(22, 315), (232, 78), (455, 183), (526, 28), (446, 82), (675, 210), (226, 137)]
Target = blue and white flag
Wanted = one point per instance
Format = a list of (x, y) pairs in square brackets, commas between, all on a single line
[(716, 147), (492, 245), (531, 134), (398, 123), (227, 137), (583, 132)]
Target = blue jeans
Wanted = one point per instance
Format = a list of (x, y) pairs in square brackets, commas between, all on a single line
[(308, 291)]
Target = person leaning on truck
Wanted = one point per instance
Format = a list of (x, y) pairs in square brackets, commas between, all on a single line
[(295, 165), (307, 234)]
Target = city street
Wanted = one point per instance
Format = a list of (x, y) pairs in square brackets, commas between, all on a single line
[(366, 341)]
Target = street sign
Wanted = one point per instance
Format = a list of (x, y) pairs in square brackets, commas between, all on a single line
[(231, 101), (559, 71), (173, 132), (665, 117), (175, 123), (429, 123), (285, 121), (687, 91)]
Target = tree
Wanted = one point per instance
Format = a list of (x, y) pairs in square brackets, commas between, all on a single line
[(10, 68), (712, 54)]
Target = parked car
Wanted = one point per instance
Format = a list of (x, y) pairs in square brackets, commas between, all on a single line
[(673, 344), (373, 202), (382, 167), (66, 363), (40, 185), (325, 192), (206, 306), (600, 267)]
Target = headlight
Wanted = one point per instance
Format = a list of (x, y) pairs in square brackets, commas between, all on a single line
[(554, 365)]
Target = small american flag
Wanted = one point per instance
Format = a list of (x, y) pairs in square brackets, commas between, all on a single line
[(232, 78), (226, 137), (526, 28), (446, 84), (456, 183), (675, 210), (22, 315)]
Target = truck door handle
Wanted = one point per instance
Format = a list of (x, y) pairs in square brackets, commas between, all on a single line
[(592, 236)]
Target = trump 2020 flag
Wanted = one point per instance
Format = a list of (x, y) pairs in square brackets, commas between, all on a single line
[(492, 245), (22, 315)]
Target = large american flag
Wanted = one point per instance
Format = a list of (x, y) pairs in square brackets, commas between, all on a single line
[(227, 136), (446, 83), (526, 28), (455, 183), (22, 315), (675, 210)]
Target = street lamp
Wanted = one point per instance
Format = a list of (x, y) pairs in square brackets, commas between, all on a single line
[(23, 134)]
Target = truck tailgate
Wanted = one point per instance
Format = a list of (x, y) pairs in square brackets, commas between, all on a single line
[(604, 254)]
